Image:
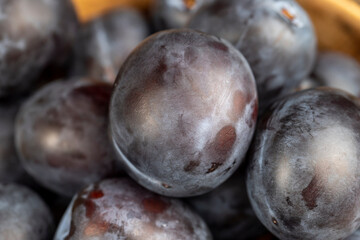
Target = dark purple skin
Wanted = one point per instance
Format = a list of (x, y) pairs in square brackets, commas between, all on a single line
[(183, 112), (168, 14), (105, 43), (10, 168), (338, 70), (228, 212), (32, 34), (304, 174), (24, 216), (120, 209), (275, 36), (61, 135)]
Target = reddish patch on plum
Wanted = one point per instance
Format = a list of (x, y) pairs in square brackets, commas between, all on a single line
[(96, 229), (154, 205), (239, 103), (165, 185), (96, 194), (191, 166), (90, 207), (218, 45), (311, 193), (214, 166), (288, 14), (225, 139), (189, 4)]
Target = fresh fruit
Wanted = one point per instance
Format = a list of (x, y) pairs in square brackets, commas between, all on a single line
[(24, 216), (275, 36), (105, 43), (175, 13), (183, 112), (121, 209), (304, 174), (61, 135), (337, 70), (33, 34)]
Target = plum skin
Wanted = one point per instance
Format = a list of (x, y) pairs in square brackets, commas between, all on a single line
[(24, 216), (11, 169), (169, 14), (121, 209), (337, 70), (275, 36), (105, 42), (303, 175), (183, 112), (32, 36), (61, 135)]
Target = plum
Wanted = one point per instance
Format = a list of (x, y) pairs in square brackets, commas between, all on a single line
[(303, 177), (228, 212), (105, 43), (10, 168), (61, 135), (175, 13), (183, 112), (338, 70), (120, 209), (23, 215), (275, 36), (32, 34)]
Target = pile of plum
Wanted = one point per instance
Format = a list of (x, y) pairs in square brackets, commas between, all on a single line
[(225, 123)]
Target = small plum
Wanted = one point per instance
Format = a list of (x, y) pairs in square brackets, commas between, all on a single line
[(61, 135), (23, 215), (32, 34), (105, 43)]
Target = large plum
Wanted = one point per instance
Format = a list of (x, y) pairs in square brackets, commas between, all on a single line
[(32, 34), (61, 135), (183, 112), (304, 174), (275, 36), (120, 209)]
